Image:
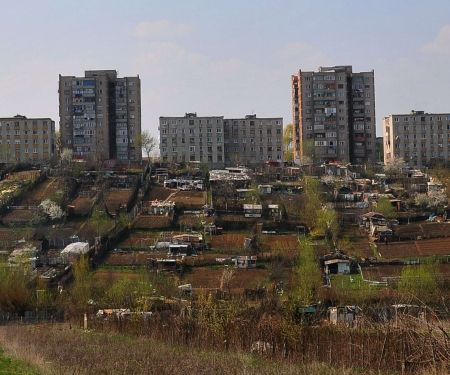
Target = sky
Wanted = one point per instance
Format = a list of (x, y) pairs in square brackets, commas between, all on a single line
[(228, 58)]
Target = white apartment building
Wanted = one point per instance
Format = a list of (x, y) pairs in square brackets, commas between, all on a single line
[(418, 138), (221, 142)]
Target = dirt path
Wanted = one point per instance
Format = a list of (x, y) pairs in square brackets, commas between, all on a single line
[(46, 189), (170, 196)]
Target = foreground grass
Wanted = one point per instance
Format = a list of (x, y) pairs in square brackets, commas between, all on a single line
[(56, 349), (10, 366)]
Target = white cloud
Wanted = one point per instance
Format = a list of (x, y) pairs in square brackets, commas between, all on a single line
[(161, 30), (440, 45)]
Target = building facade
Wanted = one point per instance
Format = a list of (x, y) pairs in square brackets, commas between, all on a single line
[(379, 149), (220, 142), (253, 140), (418, 138), (192, 139), (100, 115), (27, 140), (333, 112)]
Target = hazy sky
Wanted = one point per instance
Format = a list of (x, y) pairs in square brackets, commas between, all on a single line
[(226, 58)]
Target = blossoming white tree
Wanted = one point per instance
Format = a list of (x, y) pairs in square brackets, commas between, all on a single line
[(52, 210)]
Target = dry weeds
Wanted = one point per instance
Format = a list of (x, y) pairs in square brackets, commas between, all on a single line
[(59, 349)]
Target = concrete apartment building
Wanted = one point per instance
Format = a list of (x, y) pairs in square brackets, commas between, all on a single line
[(418, 138), (253, 140), (100, 115), (192, 139), (220, 142), (27, 140), (333, 113)]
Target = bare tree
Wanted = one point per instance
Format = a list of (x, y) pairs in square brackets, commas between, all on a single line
[(147, 143), (59, 146)]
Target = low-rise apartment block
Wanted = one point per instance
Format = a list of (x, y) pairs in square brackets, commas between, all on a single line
[(418, 138), (253, 140), (26, 140), (192, 139), (221, 142)]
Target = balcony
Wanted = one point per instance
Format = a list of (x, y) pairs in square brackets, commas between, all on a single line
[(359, 151)]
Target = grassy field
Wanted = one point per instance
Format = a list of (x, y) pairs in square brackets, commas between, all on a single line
[(58, 349), (12, 366)]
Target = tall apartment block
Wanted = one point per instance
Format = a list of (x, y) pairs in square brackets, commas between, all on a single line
[(253, 140), (418, 138), (27, 140), (334, 115), (100, 115), (221, 142)]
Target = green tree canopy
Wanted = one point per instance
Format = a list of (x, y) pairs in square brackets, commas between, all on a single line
[(385, 207), (288, 138)]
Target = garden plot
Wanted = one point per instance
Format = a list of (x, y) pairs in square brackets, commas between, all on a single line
[(405, 249), (228, 243), (152, 222), (12, 185), (108, 277), (131, 258), (383, 272), (44, 190), (353, 242), (82, 205), (205, 277), (193, 200), (424, 230), (117, 199), (158, 193), (19, 217), (8, 237), (279, 243), (141, 239)]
